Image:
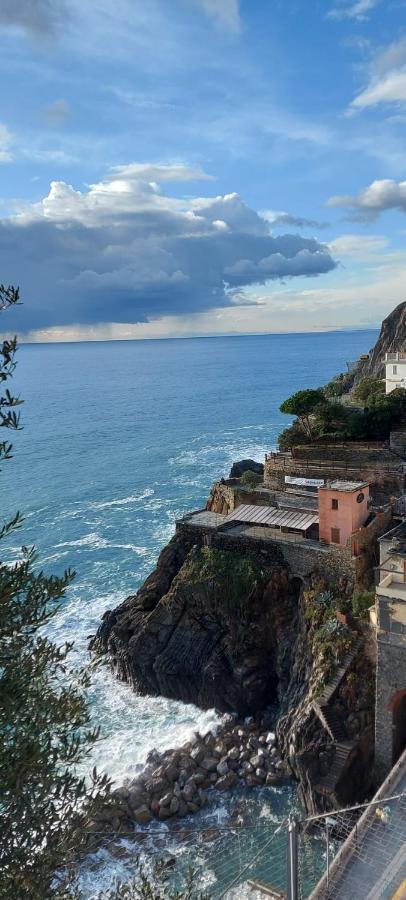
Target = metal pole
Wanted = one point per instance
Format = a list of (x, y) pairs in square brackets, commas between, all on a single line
[(327, 856), (292, 868)]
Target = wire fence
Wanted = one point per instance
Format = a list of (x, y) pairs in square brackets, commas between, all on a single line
[(357, 853)]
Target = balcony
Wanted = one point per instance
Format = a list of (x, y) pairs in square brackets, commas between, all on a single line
[(395, 357), (392, 586)]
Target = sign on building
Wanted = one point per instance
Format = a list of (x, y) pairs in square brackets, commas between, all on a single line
[(304, 482)]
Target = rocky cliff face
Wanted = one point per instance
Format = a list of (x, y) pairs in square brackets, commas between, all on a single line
[(209, 627), (392, 337)]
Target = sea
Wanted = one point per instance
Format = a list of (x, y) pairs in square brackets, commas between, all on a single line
[(119, 440)]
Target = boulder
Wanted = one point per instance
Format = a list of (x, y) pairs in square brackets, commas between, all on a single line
[(142, 815), (222, 767), (234, 753), (227, 781), (246, 465), (209, 763)]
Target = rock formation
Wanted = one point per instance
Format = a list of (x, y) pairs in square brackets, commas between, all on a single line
[(392, 337), (208, 627), (246, 465), (179, 782)]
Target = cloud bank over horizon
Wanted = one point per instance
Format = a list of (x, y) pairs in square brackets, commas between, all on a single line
[(123, 251)]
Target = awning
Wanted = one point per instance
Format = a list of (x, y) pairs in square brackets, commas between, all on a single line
[(299, 520)]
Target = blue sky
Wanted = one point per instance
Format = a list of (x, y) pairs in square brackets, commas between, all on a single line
[(216, 166)]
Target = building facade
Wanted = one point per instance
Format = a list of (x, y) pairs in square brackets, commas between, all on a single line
[(395, 371), (390, 623), (343, 508)]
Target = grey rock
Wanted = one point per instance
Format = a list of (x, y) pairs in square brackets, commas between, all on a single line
[(209, 763), (142, 815), (227, 782)]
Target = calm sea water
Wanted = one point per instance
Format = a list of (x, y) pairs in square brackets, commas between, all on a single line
[(119, 440)]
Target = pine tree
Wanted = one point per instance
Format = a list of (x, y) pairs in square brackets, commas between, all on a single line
[(44, 719)]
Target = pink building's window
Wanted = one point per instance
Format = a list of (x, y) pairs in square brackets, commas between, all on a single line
[(334, 503)]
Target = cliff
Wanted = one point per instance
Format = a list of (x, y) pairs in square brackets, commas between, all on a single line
[(209, 627), (392, 337), (238, 631)]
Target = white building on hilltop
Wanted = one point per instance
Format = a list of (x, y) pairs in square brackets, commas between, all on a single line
[(395, 371)]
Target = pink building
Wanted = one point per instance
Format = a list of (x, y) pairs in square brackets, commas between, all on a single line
[(343, 508)]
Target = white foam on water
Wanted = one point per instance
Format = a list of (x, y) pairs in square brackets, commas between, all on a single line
[(122, 501)]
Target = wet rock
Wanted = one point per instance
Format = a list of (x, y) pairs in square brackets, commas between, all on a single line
[(164, 813), (227, 782), (233, 753), (222, 767), (209, 835), (209, 763), (142, 815)]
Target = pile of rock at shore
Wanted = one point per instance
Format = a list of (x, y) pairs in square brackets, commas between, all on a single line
[(175, 783)]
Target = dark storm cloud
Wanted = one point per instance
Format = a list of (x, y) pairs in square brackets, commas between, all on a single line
[(35, 16), (123, 252), (297, 221)]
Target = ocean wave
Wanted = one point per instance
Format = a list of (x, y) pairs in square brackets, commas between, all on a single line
[(122, 501), (93, 540)]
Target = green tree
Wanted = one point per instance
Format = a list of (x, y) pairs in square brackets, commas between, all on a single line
[(45, 805), (44, 718), (304, 404), (367, 388)]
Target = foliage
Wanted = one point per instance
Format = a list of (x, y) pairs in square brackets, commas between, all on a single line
[(367, 388), (361, 602), (329, 639), (303, 405), (157, 887), (339, 385), (292, 437), (44, 720), (330, 421), (250, 478)]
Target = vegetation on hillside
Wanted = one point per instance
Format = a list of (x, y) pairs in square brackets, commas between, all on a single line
[(321, 417)]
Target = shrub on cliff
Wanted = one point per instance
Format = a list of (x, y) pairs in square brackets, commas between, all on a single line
[(368, 388), (250, 478)]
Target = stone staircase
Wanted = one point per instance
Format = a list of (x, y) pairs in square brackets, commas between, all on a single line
[(333, 725)]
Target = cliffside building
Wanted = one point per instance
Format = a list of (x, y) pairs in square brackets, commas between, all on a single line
[(343, 508), (389, 618), (395, 371)]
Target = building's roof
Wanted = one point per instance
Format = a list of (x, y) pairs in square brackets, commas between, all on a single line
[(298, 519), (347, 486), (396, 534)]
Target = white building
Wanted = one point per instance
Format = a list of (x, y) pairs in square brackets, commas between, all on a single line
[(395, 371)]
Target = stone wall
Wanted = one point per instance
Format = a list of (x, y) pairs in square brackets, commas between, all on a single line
[(354, 453), (303, 558), (390, 679), (225, 496), (384, 482)]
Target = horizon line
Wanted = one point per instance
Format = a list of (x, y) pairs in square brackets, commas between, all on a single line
[(199, 337)]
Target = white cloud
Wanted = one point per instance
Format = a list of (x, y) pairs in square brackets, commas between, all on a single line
[(123, 251), (376, 198), (6, 142), (358, 246), (358, 10), (227, 12), (157, 173), (387, 83)]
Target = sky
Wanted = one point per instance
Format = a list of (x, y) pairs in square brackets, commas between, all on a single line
[(197, 167)]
